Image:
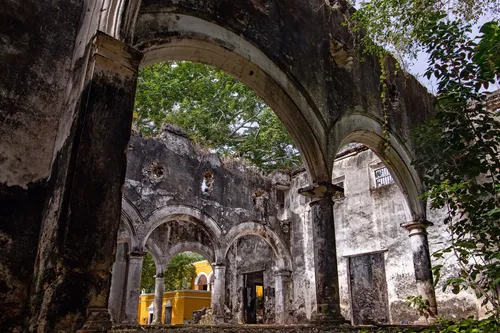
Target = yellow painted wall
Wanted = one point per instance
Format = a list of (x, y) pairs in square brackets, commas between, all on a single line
[(259, 291), (184, 302), (203, 267), (145, 300)]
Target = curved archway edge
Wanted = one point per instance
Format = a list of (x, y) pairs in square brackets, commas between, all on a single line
[(283, 258), (197, 280), (130, 217), (157, 255), (181, 213), (369, 131), (204, 250), (181, 37)]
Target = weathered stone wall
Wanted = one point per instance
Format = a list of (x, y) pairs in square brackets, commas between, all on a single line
[(368, 219), (36, 49), (171, 171), (249, 254), (270, 329), (180, 198), (294, 210)]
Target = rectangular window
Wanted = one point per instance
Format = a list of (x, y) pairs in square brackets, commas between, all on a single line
[(339, 181), (383, 177)]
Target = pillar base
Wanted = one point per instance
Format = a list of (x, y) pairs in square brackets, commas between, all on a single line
[(99, 320), (328, 317)]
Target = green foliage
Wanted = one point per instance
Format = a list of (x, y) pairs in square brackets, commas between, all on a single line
[(148, 274), (420, 304), (458, 153), (469, 325), (398, 25), (215, 109), (180, 272)]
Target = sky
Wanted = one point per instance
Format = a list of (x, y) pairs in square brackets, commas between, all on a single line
[(420, 64)]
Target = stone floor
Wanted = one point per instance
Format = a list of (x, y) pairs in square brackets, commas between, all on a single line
[(266, 329)]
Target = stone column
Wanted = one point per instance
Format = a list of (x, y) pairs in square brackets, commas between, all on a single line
[(82, 218), (118, 283), (422, 265), (159, 289), (282, 296), (325, 254), (133, 286), (219, 292)]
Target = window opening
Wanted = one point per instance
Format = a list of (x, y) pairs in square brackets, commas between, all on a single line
[(339, 181), (382, 177), (202, 282)]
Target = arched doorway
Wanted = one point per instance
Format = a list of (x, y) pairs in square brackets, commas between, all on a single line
[(381, 195), (258, 269)]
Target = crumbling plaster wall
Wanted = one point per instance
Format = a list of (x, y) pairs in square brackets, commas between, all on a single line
[(294, 212), (249, 254), (172, 171), (368, 219), (37, 56), (45, 54)]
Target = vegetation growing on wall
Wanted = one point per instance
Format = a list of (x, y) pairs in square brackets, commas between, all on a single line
[(215, 109), (458, 151)]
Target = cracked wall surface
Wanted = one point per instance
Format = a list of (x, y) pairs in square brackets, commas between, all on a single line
[(231, 219), (367, 220), (66, 102)]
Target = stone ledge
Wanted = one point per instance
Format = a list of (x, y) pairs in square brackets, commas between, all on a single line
[(305, 328)]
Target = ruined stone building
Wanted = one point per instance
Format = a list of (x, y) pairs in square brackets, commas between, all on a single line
[(69, 70), (256, 230)]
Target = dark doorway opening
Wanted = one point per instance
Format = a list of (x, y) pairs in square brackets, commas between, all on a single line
[(253, 297), (368, 287)]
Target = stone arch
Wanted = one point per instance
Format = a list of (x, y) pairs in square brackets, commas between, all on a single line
[(118, 17), (369, 132), (168, 36), (182, 213), (130, 217), (283, 258), (204, 250), (157, 255), (201, 275)]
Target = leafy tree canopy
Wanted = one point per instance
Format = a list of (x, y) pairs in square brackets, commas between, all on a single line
[(148, 274), (399, 26), (180, 271), (178, 275), (215, 109)]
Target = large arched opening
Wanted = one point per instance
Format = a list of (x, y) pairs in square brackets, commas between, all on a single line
[(382, 192), (258, 266), (139, 275), (180, 37)]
